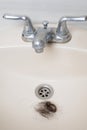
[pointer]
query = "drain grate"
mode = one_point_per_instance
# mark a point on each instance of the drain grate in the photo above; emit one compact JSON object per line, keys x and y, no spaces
{"x":44,"y":91}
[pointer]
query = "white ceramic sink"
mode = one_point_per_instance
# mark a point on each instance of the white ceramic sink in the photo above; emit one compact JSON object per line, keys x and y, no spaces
{"x":63,"y":66}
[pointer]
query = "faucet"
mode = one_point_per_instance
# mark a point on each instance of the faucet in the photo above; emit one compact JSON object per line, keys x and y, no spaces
{"x":43,"y":35}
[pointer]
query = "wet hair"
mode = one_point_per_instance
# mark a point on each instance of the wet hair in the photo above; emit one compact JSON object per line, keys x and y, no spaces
{"x":46,"y":109}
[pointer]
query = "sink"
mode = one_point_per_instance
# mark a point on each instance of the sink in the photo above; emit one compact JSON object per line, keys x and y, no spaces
{"x":63,"y":66}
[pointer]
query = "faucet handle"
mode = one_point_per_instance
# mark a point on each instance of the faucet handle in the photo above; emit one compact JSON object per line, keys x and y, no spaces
{"x":45,"y":24}
{"x":28,"y":32}
{"x":62,"y":31}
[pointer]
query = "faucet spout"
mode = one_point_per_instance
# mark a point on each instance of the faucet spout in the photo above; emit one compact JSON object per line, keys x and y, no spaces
{"x":40,"y":40}
{"x":38,"y":46}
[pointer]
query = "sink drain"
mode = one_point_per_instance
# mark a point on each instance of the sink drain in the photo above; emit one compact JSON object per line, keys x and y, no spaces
{"x":44,"y":91}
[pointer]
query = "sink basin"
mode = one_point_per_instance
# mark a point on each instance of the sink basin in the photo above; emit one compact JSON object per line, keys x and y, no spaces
{"x":63,"y":66}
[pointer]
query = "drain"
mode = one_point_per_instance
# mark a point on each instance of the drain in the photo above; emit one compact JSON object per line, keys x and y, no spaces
{"x":44,"y":91}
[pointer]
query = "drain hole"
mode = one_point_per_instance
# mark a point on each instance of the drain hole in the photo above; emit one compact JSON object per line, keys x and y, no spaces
{"x":44,"y":91}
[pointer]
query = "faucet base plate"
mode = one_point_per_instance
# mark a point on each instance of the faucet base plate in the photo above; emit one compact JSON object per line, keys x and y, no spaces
{"x":55,"y":38}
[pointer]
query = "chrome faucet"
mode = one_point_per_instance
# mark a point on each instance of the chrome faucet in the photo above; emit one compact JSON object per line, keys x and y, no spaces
{"x":43,"y":35}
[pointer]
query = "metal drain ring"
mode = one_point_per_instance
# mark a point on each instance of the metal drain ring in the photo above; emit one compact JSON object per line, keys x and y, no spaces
{"x":44,"y":91}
